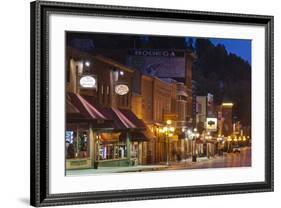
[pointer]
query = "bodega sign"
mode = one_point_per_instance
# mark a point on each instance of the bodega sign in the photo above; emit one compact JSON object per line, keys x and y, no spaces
{"x":121,"y":89}
{"x":88,"y":82}
{"x":155,"y":52}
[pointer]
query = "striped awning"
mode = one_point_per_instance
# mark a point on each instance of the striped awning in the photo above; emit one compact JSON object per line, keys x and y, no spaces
{"x":129,"y":119}
{"x":79,"y":108}
{"x":121,"y":119}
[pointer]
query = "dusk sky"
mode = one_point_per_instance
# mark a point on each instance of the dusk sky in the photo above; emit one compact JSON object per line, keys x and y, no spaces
{"x":241,"y":48}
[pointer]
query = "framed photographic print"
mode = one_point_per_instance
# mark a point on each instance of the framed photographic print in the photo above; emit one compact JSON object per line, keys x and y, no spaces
{"x":132,"y":103}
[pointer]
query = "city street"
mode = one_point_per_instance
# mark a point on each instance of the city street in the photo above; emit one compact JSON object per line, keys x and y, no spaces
{"x":242,"y":159}
{"x":154,"y":107}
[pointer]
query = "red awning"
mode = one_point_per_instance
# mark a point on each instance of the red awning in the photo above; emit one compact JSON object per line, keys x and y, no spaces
{"x":122,"y":119}
{"x":79,"y":108}
{"x":129,"y":119}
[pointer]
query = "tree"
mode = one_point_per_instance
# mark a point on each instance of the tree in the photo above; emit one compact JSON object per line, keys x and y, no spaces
{"x":223,"y":75}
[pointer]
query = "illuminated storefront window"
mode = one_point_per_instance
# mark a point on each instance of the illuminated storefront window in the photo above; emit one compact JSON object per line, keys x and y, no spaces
{"x":76,"y":143}
{"x":112,"y":151}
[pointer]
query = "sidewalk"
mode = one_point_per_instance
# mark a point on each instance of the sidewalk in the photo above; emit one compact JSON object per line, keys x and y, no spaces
{"x":137,"y":168}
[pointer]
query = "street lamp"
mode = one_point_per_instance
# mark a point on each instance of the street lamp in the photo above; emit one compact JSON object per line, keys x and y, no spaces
{"x":168,"y":132}
{"x":168,"y":122}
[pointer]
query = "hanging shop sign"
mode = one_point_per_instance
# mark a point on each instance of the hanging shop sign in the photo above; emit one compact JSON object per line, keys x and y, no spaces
{"x":88,"y":81}
{"x":121,"y":89}
{"x":212,"y":124}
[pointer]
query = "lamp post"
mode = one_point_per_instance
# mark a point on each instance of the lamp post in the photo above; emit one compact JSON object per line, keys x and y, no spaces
{"x":168,"y":131}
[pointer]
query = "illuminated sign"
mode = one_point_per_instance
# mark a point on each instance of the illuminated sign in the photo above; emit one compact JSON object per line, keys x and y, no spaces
{"x":121,"y":89}
{"x":88,"y":82}
{"x":160,"y":63}
{"x":156,"y":52}
{"x":227,"y":104}
{"x":211,"y":124}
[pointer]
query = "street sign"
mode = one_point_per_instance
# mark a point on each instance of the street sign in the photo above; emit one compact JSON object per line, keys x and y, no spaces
{"x":211,"y":124}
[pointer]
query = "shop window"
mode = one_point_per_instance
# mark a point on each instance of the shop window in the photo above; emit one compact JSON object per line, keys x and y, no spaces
{"x":76,"y":143}
{"x":112,"y":151}
{"x":134,"y":150}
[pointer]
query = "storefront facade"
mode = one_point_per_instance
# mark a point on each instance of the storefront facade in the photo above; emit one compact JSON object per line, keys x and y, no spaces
{"x":101,"y":129}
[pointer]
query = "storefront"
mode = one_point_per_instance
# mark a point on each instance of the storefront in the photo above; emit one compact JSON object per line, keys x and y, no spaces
{"x":80,"y":117}
{"x":125,"y":148}
{"x":110,"y":151}
{"x":101,"y":136}
{"x":99,"y":91}
{"x":77,"y":150}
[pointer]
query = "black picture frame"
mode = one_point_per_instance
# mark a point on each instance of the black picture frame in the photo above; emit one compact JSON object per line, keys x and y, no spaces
{"x":39,"y":187}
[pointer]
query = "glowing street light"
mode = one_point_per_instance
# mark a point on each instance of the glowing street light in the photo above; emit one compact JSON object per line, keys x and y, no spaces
{"x":229,"y":139}
{"x":227,"y":104}
{"x":168,"y":131}
{"x":87,"y":63}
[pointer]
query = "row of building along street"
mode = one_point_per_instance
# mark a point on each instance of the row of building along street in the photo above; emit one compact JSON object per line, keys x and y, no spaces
{"x":134,"y":115}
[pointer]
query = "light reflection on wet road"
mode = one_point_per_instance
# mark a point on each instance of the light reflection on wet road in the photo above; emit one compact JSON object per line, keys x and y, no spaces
{"x":242,"y":159}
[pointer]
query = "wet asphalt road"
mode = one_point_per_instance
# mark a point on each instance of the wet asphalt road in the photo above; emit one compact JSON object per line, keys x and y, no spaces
{"x":242,"y":159}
